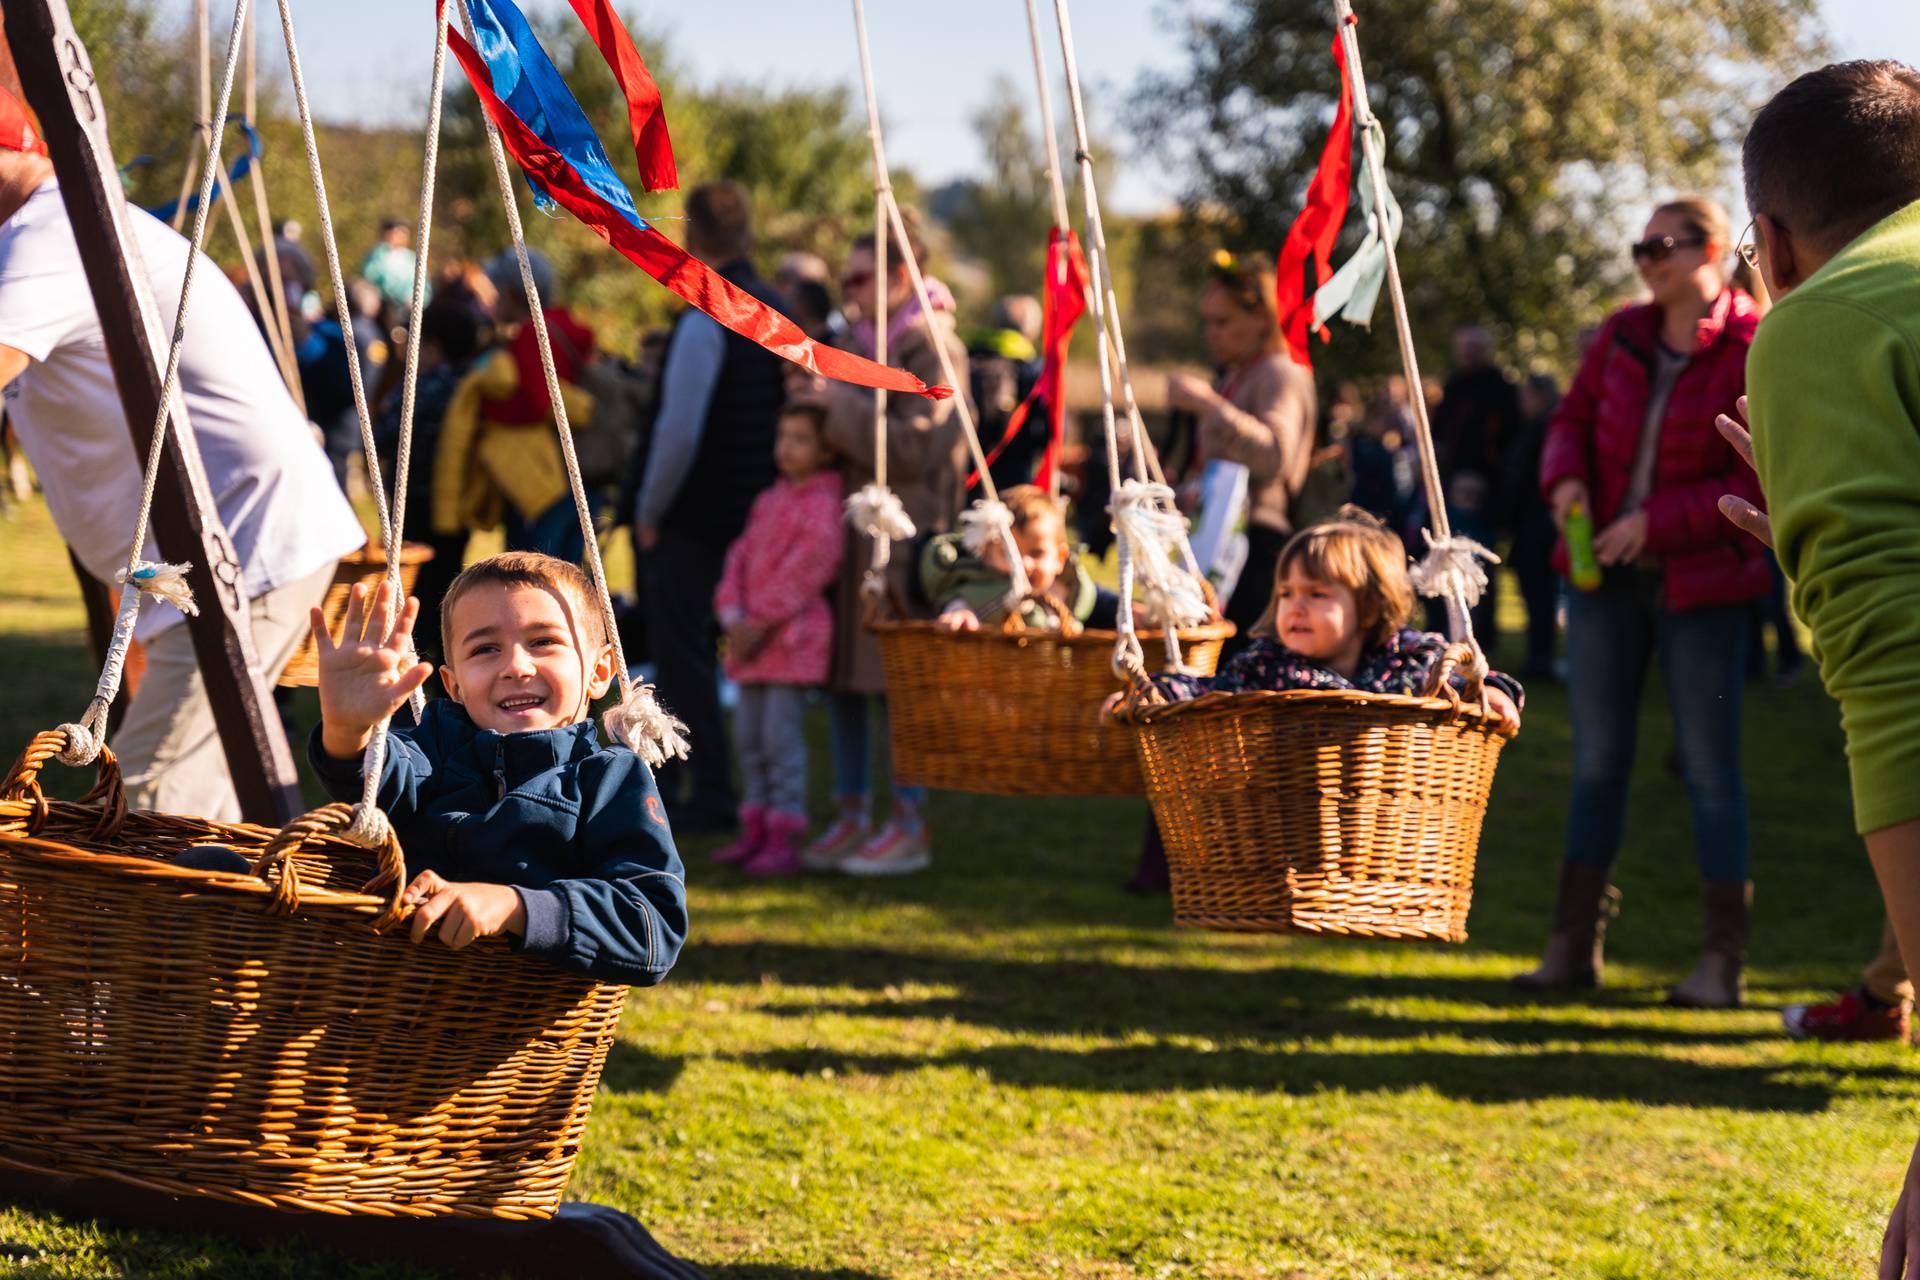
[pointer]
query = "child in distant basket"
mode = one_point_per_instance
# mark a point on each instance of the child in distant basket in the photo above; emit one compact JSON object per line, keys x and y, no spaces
{"x":1341,"y":603}
{"x":514,"y":819}
{"x":967,"y":590}
{"x":772,"y":602}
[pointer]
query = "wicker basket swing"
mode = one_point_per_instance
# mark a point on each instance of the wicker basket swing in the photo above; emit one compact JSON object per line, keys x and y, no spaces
{"x":270,"y":1038}
{"x":367,"y":565}
{"x":1322,"y":811}
{"x":1013,"y":710}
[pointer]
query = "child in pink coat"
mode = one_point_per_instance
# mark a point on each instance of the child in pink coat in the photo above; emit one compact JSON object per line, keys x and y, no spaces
{"x":772,"y":602}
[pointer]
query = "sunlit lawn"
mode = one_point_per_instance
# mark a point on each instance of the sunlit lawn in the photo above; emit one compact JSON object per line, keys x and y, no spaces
{"x":1009,"y":1068}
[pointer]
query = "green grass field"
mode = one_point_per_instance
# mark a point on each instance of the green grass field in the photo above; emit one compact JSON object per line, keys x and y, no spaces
{"x":1009,"y":1068}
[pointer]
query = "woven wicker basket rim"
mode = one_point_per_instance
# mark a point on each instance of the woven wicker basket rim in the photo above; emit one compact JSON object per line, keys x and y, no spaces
{"x":1225,"y":705}
{"x":1024,"y":635}
{"x":243,"y":884}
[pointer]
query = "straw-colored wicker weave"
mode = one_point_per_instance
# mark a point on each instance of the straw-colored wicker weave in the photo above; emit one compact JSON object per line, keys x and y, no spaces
{"x":250,"y":1037}
{"x":1312,"y":811}
{"x":368,"y":565}
{"x":1015,"y":712}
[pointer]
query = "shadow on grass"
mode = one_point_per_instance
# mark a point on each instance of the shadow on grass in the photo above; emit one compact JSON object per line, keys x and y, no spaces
{"x":1071,"y":997}
{"x":1645,"y":1080}
{"x":631,"y":1069}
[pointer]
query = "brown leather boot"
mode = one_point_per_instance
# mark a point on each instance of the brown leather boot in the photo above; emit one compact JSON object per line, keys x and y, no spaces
{"x":1575,"y":949}
{"x":1717,"y":982}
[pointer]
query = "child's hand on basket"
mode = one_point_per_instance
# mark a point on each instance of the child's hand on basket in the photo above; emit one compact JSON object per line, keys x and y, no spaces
{"x":1504,"y":707}
{"x":959,"y":618}
{"x":463,"y":911}
{"x":367,"y":675}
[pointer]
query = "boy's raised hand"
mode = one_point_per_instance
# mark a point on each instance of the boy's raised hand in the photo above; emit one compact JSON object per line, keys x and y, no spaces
{"x":371,"y":670}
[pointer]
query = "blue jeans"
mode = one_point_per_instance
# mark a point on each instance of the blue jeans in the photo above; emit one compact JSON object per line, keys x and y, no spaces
{"x":1612,"y":636}
{"x":849,"y":723}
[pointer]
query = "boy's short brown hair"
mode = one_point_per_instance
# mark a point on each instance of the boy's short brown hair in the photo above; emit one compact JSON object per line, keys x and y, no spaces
{"x":1836,"y":151}
{"x":1354,"y":549}
{"x":720,"y":221}
{"x":1029,"y":502}
{"x":527,"y":569}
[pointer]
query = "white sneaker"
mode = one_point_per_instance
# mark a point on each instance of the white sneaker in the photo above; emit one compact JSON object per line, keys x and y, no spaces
{"x":843,"y":838}
{"x":893,"y":851}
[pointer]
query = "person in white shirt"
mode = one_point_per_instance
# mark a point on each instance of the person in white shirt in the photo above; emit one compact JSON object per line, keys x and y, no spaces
{"x":272,"y":485}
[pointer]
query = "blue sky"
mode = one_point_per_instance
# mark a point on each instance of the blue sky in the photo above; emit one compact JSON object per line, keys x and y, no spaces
{"x":368,"y":59}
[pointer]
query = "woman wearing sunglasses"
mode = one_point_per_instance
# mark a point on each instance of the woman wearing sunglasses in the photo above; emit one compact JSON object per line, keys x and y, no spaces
{"x":1634,"y":447}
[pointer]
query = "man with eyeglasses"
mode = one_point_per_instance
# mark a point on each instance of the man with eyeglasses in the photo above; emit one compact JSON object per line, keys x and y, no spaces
{"x":1833,"y":178}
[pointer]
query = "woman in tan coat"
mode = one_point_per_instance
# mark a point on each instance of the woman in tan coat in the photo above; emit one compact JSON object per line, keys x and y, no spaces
{"x":927,"y":468}
{"x":1258,"y":412}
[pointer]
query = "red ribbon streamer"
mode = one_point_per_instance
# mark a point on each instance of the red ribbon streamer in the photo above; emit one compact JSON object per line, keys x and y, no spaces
{"x":16,"y":126}
{"x":646,"y":114}
{"x":688,"y":277}
{"x":1317,"y":228}
{"x":1063,"y":303}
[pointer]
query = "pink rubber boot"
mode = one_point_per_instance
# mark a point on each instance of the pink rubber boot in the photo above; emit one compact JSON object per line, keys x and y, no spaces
{"x":780,"y":855}
{"x":753,"y":837}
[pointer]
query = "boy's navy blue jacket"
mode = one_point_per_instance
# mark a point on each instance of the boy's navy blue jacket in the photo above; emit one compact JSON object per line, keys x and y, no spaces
{"x":576,"y":828}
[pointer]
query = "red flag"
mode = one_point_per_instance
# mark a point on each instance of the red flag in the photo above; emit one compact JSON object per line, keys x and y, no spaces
{"x":687,"y":276}
{"x":645,"y":112}
{"x":1317,"y":228}
{"x":1062,"y":304}
{"x":16,"y":126}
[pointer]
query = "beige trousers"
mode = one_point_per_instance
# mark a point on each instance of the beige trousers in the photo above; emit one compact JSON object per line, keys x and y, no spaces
{"x":169,"y":748}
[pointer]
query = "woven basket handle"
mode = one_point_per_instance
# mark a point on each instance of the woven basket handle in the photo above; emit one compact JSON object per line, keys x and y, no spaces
{"x":278,"y":868}
{"x":1069,"y":625}
{"x":108,"y":793}
{"x":1458,"y":658}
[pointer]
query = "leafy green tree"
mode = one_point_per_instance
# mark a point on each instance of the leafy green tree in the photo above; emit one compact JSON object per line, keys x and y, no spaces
{"x":1525,"y":138}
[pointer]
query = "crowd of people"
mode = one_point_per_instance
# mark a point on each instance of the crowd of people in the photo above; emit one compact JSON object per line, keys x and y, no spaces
{"x":729,"y":468}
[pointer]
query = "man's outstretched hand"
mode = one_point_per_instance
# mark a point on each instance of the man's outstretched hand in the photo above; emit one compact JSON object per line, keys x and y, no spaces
{"x":1733,"y":506}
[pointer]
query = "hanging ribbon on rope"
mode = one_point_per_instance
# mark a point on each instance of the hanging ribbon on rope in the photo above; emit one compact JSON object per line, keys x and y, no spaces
{"x":1315,"y":230}
{"x":1453,"y":569}
{"x":241,"y":166}
{"x":1063,"y":303}
{"x":548,"y":135}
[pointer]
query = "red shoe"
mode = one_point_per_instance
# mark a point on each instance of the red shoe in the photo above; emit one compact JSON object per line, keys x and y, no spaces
{"x":753,"y":837}
{"x":1850,"y":1018}
{"x":780,"y":855}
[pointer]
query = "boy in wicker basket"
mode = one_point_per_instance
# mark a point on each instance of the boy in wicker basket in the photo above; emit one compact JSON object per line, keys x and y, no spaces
{"x":515,"y":820}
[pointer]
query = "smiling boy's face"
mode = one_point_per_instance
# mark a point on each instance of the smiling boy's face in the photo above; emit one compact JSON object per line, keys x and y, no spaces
{"x":520,"y":658}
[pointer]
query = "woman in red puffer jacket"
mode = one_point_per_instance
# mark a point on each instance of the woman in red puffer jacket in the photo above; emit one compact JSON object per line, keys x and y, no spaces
{"x":1634,"y":446}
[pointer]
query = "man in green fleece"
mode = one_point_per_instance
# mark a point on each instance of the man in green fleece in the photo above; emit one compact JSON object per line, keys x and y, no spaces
{"x":1833,"y":379}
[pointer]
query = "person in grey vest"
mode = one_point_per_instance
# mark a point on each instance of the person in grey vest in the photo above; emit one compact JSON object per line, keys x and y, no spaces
{"x":709,"y":454}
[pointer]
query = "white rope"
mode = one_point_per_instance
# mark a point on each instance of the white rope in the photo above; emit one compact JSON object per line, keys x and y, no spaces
{"x":256,"y":173}
{"x":1451,"y":567}
{"x":142,"y":577}
{"x":873,"y":509}
{"x":638,"y":721}
{"x":890,"y":221}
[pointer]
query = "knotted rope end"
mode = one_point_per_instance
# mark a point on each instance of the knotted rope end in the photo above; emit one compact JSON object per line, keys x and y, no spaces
{"x":168,"y":582}
{"x":642,"y":725}
{"x":1453,"y":567}
{"x":985,"y":523}
{"x":876,"y":511}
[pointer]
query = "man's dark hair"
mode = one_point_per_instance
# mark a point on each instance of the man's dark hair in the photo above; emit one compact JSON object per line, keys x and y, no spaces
{"x":453,"y":328}
{"x":720,"y":221}
{"x":1836,"y":151}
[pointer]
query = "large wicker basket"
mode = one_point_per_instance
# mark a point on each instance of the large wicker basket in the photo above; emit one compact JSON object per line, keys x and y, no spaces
{"x":368,"y":565}
{"x":254,"y":1038}
{"x":1312,"y":811}
{"x":1016,"y":711}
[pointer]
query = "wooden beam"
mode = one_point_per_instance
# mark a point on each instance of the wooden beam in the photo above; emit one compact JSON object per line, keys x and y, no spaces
{"x":57,"y":79}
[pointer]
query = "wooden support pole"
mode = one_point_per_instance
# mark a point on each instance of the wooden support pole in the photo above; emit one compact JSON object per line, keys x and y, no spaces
{"x":56,"y":77}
